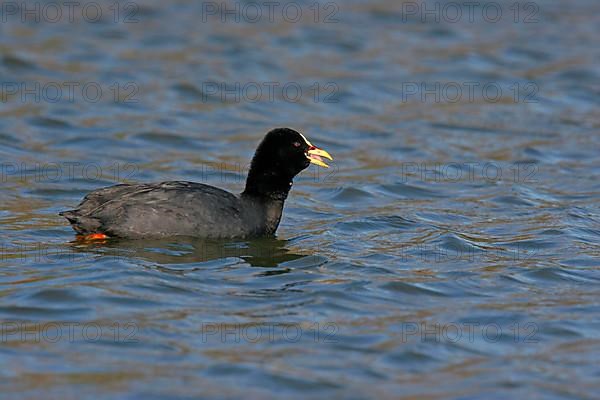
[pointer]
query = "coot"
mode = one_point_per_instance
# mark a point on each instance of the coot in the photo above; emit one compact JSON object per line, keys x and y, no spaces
{"x":178,"y":208}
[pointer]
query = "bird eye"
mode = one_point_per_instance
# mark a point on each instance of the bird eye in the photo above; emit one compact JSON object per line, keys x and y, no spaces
{"x":296,"y":144}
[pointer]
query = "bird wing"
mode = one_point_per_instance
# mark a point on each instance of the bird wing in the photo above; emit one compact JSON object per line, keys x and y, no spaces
{"x":163,"y":209}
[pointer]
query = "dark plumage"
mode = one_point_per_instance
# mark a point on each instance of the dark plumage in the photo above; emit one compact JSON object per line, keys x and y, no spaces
{"x":180,"y":208}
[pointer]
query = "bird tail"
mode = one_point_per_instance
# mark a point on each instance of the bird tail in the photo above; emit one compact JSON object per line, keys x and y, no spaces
{"x":81,"y":223}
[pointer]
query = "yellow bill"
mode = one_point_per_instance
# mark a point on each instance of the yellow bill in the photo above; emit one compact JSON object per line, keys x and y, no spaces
{"x":316,"y":155}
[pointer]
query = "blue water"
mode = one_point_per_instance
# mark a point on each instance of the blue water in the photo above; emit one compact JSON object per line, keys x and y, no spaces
{"x":450,"y":252}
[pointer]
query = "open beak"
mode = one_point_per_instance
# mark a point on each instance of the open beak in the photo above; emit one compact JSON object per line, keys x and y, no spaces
{"x":316,"y":155}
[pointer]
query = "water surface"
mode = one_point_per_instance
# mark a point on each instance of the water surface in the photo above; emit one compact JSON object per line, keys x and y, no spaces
{"x":450,"y":252}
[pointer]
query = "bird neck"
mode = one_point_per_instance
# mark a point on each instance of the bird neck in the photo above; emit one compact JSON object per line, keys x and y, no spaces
{"x":267,"y":192}
{"x":267,"y":185}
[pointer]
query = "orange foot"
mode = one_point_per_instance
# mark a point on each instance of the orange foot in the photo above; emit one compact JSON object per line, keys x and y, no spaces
{"x":93,"y":236}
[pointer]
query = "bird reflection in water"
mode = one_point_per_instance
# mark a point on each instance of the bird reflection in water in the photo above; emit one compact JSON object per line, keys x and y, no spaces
{"x":261,"y":252}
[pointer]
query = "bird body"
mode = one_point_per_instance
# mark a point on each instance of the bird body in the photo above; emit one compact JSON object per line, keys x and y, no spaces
{"x":179,"y":208}
{"x":173,"y":208}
